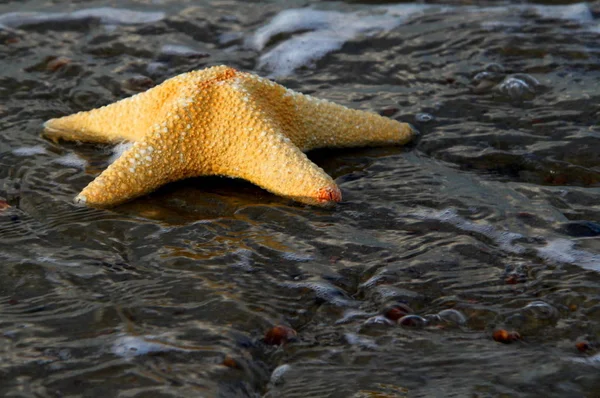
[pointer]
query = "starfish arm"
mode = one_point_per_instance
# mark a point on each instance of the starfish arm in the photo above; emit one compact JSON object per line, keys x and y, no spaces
{"x":323,"y":123}
{"x":126,"y":120}
{"x":247,"y":140}
{"x":315,"y":123}
{"x":277,"y":165}
{"x":150,"y":163}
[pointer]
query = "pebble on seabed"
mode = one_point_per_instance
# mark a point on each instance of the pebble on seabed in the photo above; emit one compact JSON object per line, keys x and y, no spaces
{"x":279,"y":335}
{"x":397,"y":311}
{"x":55,"y":64}
{"x":230,"y":362}
{"x":583,"y":346}
{"x":414,"y":321}
{"x":389,"y":111}
{"x":506,"y":337}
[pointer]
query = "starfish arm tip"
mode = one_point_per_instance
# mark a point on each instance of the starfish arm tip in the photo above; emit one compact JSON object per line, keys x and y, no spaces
{"x":329,"y":195}
{"x":51,"y":125}
{"x":412,"y":130}
{"x":47,"y":130}
{"x":80,"y":200}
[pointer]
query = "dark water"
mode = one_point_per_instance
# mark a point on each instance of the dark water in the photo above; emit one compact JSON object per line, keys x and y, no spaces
{"x":493,"y":213}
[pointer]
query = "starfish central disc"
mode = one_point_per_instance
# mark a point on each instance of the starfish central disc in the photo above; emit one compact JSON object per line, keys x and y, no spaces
{"x":220,"y":121}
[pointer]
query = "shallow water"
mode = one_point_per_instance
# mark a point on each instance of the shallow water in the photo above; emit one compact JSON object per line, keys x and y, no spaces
{"x":493,"y":212}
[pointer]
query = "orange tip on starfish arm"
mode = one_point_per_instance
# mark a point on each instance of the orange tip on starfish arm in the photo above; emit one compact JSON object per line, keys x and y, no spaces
{"x":220,"y":121}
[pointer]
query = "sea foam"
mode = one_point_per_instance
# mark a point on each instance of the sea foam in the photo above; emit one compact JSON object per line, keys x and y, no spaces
{"x":315,"y":33}
{"x":322,"y":32}
{"x":106,"y":16}
{"x":555,"y":250}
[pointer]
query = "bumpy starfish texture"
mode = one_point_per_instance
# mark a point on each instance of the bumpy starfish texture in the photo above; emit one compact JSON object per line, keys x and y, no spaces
{"x":220,"y":121}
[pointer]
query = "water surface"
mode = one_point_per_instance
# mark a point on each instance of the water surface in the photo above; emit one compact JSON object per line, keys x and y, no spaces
{"x":492,"y":213}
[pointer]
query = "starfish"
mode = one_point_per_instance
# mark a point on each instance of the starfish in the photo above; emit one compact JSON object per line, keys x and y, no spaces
{"x":221,"y":121}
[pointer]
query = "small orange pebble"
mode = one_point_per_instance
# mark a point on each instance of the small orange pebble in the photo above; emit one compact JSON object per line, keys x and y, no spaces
{"x":582,"y":346}
{"x":506,"y":337}
{"x":3,"y":205}
{"x":560,"y":179}
{"x":397,"y":311}
{"x":279,"y":335}
{"x":511,"y":279}
{"x":57,"y":63}
{"x":573,"y":307}
{"x":391,"y":111}
{"x":230,"y":362}
{"x":556,"y":179}
{"x":413,"y":321}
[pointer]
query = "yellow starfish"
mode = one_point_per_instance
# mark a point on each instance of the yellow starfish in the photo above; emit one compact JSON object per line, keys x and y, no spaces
{"x":220,"y":121}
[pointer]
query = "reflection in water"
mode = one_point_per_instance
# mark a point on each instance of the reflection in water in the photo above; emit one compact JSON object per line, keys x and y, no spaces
{"x":486,"y":227}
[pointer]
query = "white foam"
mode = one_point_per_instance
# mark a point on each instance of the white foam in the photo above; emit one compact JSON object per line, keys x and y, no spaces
{"x":293,"y":20}
{"x":297,"y":256}
{"x":180,"y":50}
{"x":321,"y":32}
{"x":227,"y":38}
{"x":325,"y":291}
{"x":300,"y":51}
{"x":504,"y":239}
{"x":563,"y":251}
{"x":118,"y":150}
{"x":405,"y":11}
{"x":278,"y":373}
{"x":515,"y":87}
{"x":106,"y":15}
{"x":504,"y":17}
{"x":120,"y":16}
{"x":157,"y":68}
{"x":327,"y":32}
{"x":593,"y":360}
{"x":131,"y":346}
{"x":30,"y":150}
{"x":351,"y":315}
{"x":579,"y":12}
{"x":555,"y":251}
{"x":71,"y":160}
{"x":355,"y":339}
{"x":245,"y":259}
